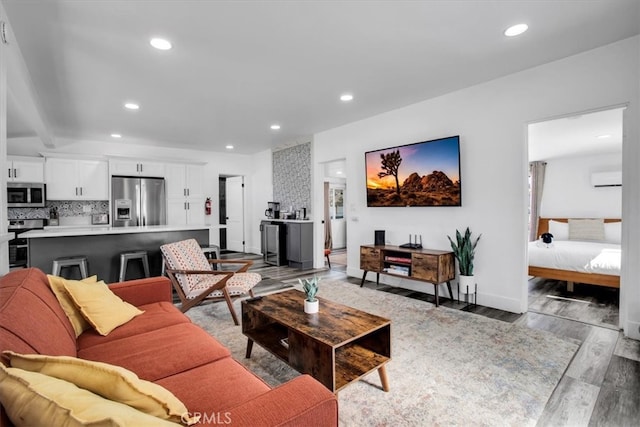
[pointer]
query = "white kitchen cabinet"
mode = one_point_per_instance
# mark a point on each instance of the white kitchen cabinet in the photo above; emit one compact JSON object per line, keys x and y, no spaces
{"x":135,"y":167}
{"x":25,"y":169}
{"x":185,"y":194}
{"x":182,"y":211}
{"x":184,"y":180}
{"x":77,"y":179}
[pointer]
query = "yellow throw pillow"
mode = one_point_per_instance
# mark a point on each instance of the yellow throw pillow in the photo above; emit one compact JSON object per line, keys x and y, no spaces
{"x":109,"y":381}
{"x":78,"y":321}
{"x":33,"y":399}
{"x":103,"y":309}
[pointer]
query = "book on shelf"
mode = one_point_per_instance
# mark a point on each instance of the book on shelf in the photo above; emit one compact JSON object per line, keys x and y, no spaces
{"x":401,"y":260}
{"x":397,"y":269}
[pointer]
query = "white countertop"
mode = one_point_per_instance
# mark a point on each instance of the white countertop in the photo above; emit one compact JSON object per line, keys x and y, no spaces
{"x":304,"y":221}
{"x":53,"y":231}
{"x":5,"y":237}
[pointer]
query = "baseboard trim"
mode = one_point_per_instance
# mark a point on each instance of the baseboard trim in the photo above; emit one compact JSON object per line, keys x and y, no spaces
{"x":488,"y":300}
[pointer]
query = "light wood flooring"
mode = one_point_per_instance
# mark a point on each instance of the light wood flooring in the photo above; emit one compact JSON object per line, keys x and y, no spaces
{"x":601,"y":386}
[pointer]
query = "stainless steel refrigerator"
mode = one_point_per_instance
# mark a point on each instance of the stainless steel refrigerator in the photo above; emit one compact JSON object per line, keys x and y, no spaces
{"x":138,"y":201}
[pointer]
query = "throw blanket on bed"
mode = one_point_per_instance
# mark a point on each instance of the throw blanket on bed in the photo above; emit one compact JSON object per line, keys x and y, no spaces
{"x":584,"y":257}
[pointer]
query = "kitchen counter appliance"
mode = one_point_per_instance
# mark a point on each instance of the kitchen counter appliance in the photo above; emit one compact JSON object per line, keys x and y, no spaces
{"x":273,"y":210}
{"x":138,"y":201}
{"x":25,"y":195}
{"x":273,"y":242}
{"x":18,"y":249}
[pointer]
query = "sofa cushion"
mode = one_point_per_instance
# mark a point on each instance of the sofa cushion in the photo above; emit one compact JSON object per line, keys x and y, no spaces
{"x":227,"y":384}
{"x":103,"y":309}
{"x":159,"y":353}
{"x":156,"y":316}
{"x":72,"y":311}
{"x":31,"y":319}
{"x":31,"y":399}
{"x":109,"y":381}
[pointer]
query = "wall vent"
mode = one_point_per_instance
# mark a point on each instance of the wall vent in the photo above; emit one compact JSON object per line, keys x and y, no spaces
{"x":606,"y":179}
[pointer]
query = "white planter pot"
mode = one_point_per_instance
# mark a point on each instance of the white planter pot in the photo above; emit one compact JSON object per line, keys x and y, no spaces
{"x":467,"y":284}
{"x":311,"y":307}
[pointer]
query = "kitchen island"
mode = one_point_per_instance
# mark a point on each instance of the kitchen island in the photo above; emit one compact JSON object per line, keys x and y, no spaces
{"x":102,"y":245}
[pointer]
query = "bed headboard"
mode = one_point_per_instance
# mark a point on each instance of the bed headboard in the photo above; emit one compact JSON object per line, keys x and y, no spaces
{"x":543,"y":223}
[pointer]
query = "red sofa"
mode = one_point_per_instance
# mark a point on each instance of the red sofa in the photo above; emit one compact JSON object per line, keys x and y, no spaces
{"x":163,"y":346}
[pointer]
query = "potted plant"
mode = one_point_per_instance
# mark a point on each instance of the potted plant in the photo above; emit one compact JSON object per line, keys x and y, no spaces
{"x":310,"y":288}
{"x":464,"y":250}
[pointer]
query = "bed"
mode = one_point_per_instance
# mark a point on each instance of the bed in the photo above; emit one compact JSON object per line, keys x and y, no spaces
{"x":577,"y":261}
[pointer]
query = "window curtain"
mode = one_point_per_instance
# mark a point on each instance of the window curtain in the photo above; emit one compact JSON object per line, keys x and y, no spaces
{"x":328,"y":243}
{"x":536,"y":186}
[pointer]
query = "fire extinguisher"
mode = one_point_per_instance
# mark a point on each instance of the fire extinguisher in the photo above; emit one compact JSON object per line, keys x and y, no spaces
{"x":207,"y":206}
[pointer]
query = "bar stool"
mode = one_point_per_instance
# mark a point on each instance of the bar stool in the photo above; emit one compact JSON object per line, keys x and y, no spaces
{"x":125,"y":257}
{"x":212,"y":252}
{"x":70,"y":262}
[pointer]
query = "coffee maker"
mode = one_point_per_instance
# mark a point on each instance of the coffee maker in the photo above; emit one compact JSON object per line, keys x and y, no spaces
{"x":273,"y":210}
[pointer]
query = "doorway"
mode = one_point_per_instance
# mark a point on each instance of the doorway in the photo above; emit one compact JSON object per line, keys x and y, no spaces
{"x":336,"y":214}
{"x":231,"y":207}
{"x":565,"y":155}
{"x":335,"y":179}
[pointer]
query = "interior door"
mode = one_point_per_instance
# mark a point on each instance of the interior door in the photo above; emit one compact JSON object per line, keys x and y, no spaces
{"x":235,"y":213}
{"x":338,"y":222}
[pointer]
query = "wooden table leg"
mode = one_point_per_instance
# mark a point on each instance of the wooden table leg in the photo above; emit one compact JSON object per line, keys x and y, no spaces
{"x":449,"y":286}
{"x":364,"y":275}
{"x":382,"y":371}
{"x":249,"y":348}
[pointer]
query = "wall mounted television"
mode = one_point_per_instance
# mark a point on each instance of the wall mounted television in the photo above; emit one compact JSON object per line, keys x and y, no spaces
{"x":424,"y":173}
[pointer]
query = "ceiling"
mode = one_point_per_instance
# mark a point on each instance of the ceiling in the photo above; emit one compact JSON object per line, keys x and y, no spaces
{"x":237,"y":67}
{"x":577,"y":135}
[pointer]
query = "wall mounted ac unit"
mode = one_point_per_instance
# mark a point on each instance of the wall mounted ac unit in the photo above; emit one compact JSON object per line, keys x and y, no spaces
{"x":606,"y":179}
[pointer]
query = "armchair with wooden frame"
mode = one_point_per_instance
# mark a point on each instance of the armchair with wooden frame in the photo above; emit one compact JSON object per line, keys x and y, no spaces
{"x":195,"y":281}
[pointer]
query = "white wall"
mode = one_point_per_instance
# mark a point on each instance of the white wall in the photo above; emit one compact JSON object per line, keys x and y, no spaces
{"x":491,"y":119}
{"x":4,"y":247}
{"x":256,"y":170}
{"x":568,"y":192}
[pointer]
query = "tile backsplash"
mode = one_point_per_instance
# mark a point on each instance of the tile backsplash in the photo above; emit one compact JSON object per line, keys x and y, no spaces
{"x":292,"y":177}
{"x":72,"y":209}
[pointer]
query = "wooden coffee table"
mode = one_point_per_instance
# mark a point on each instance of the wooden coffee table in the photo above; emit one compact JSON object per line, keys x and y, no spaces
{"x":337,"y":345}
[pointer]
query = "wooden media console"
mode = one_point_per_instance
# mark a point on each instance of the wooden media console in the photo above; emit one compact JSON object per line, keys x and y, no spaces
{"x":425,"y":265}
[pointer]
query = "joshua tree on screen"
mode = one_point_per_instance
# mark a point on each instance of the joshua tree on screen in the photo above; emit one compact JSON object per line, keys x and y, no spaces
{"x":390,"y":165}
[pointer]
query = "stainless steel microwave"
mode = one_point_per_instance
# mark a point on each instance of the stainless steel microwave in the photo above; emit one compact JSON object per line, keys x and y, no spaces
{"x":25,"y":195}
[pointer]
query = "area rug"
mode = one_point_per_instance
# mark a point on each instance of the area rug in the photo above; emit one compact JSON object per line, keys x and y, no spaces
{"x":448,"y":367}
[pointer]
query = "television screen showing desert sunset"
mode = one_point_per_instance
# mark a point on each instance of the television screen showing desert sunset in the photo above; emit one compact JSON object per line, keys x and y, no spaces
{"x":421,"y":174}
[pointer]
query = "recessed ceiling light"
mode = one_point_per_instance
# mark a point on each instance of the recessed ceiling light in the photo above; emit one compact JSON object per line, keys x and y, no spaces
{"x":229,"y":147}
{"x":160,"y":44}
{"x":346,"y":97}
{"x":516,"y":30}
{"x":275,"y":127}
{"x":605,"y":136}
{"x":116,"y":135}
{"x":338,"y":172}
{"x":131,"y":106}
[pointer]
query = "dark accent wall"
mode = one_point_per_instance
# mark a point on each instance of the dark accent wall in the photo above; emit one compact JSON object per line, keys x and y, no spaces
{"x":222,"y":200}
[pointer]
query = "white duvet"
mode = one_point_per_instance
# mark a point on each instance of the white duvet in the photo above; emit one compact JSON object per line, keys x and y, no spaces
{"x":572,"y":255}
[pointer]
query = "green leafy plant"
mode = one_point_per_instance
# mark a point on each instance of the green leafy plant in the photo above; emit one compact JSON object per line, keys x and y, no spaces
{"x":310,"y":288}
{"x":464,"y":250}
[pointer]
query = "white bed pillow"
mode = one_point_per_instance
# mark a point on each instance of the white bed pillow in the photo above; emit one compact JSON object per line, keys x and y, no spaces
{"x":586,"y":229}
{"x":613,"y":232}
{"x":560,"y":230}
